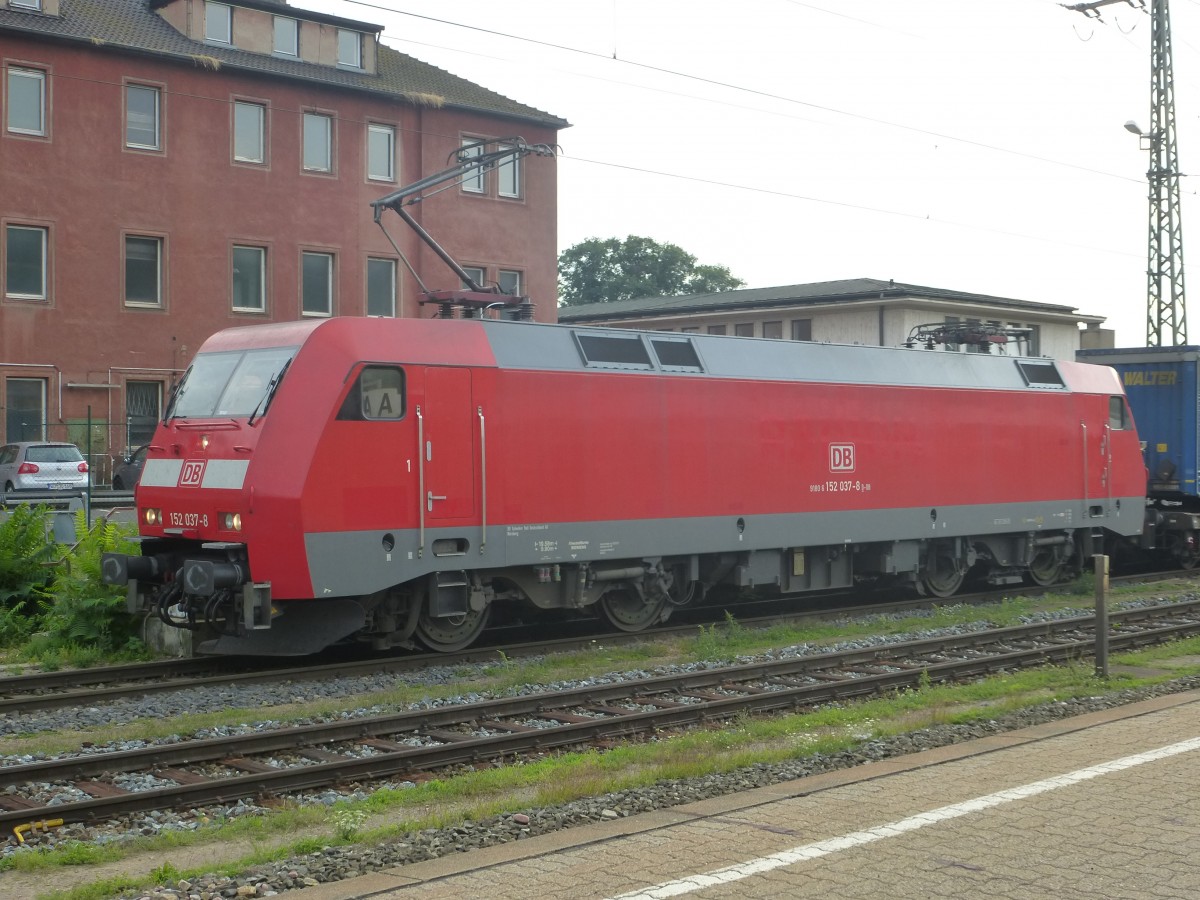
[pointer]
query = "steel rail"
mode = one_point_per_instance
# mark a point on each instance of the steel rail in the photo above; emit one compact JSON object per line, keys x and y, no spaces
{"x":904,"y":659}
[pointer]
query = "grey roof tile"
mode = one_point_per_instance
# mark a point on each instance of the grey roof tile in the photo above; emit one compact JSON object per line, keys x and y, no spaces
{"x":132,"y":26}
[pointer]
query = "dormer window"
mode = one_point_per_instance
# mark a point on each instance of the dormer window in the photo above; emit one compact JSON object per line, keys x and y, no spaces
{"x":26,"y":4}
{"x":287,"y":33}
{"x":349,"y":48}
{"x":218,"y":23}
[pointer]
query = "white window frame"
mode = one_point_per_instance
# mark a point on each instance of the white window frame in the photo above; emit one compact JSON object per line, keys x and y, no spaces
{"x":310,"y":120}
{"x":474,"y":182}
{"x":387,"y":157}
{"x":349,"y":48}
{"x":44,"y":251}
{"x":287,"y":34}
{"x":241,"y":107}
{"x":35,"y":5}
{"x":478,"y":273}
{"x":218,"y":23}
{"x":516,"y":275}
{"x":377,"y":264}
{"x":158,"y":244}
{"x":261,"y":254}
{"x":306,"y":257}
{"x":508,"y":176}
{"x":38,"y":76}
{"x":132,"y":90}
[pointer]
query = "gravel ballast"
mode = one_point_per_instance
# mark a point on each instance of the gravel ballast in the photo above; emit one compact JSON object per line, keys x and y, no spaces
{"x":337,"y":863}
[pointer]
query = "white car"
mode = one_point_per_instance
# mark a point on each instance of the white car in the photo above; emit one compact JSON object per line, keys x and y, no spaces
{"x":42,"y":466}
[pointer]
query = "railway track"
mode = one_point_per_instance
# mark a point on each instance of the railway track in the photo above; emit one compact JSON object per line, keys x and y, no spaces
{"x":103,"y":684}
{"x":296,"y":759}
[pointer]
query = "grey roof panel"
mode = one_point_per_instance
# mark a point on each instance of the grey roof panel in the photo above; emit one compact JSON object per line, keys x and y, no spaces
{"x":132,"y":26}
{"x":542,"y":347}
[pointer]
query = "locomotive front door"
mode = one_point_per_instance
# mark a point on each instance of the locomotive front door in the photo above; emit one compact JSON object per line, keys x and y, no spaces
{"x":1097,"y":462}
{"x":451,"y":445}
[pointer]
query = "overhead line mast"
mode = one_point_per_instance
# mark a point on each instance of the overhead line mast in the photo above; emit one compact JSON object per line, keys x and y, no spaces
{"x":1166,"y":315}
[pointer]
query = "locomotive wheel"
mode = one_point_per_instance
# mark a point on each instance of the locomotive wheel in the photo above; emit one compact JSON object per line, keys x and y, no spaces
{"x":942,"y":575}
{"x":1188,"y":557}
{"x":1045,"y":568}
{"x":446,"y":634}
{"x":626,"y":611}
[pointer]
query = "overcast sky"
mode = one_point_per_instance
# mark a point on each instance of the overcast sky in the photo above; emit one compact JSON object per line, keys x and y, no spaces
{"x":970,"y":145}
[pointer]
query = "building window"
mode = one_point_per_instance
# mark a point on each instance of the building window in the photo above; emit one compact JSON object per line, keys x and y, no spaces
{"x":25,"y":262}
{"x":26,"y":101}
{"x":316,"y":284}
{"x":744,"y":329}
{"x":475,"y":272}
{"x":510,"y":282}
{"x":381,"y":287}
{"x":381,"y":152}
{"x":249,"y":279}
{"x":716,"y":329}
{"x":773,"y":330}
{"x":248,"y":132}
{"x":508,"y":175}
{"x":689,"y":330}
{"x":26,"y":4}
{"x":801,"y":329}
{"x":473,"y":182}
{"x":142,"y":117}
{"x":218,"y":23}
{"x":349,"y":48}
{"x":25,"y":409}
{"x":318,"y":143}
{"x":287,"y":35}
{"x":143,"y":407}
{"x":143,"y":271}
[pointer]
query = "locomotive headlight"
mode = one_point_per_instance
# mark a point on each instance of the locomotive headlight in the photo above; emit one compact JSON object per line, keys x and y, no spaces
{"x":204,"y":442}
{"x":152,"y":516}
{"x":231,"y":521}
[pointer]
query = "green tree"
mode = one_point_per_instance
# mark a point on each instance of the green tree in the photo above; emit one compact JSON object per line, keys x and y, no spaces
{"x":600,"y":271}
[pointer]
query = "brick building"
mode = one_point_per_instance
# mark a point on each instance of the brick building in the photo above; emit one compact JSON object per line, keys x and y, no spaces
{"x":169,"y":168}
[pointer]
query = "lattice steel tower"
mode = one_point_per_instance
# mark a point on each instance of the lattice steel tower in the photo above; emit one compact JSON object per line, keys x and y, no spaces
{"x":1166,"y":315}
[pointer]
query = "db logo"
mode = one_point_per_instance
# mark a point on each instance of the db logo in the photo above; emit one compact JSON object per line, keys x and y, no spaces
{"x":841,"y":457}
{"x":192,"y":473}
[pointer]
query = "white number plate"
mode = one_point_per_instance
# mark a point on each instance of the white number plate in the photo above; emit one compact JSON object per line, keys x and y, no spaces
{"x":188,"y":519}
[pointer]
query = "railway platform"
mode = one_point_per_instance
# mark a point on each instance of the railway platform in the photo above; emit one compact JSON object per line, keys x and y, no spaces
{"x":1102,"y":805}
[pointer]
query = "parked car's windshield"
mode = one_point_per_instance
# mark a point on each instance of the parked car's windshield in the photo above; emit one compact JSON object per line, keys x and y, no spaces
{"x":231,"y":383}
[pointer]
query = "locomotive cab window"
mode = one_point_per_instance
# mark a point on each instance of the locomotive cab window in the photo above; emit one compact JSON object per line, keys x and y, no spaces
{"x":1118,"y":414}
{"x":377,"y":395}
{"x":232,"y":384}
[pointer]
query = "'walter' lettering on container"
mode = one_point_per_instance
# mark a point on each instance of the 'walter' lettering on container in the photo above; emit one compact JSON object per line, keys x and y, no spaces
{"x":841,"y":457}
{"x":1152,"y":378}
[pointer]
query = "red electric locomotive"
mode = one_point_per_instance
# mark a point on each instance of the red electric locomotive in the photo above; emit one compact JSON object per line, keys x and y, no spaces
{"x":381,"y":480}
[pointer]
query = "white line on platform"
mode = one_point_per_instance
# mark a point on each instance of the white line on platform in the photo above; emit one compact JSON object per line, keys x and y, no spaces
{"x":912,"y":823}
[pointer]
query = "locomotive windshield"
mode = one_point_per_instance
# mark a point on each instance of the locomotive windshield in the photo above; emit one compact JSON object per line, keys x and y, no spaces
{"x":236,"y":384}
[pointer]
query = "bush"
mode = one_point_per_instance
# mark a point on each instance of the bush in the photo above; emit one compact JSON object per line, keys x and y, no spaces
{"x":81,"y":612}
{"x":26,"y":551}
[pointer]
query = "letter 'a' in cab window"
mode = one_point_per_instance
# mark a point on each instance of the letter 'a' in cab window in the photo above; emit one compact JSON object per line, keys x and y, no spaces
{"x":1118,"y":415}
{"x":377,"y":395}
